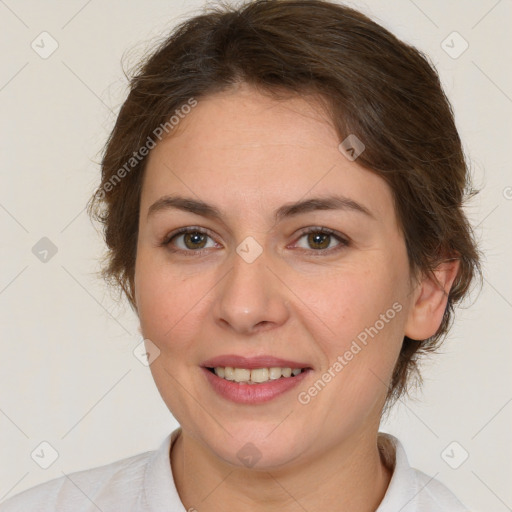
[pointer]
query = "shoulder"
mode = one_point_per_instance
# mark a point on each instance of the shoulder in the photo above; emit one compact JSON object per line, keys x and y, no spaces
{"x":411,"y":490}
{"x":114,"y":486}
{"x":434,"y":495}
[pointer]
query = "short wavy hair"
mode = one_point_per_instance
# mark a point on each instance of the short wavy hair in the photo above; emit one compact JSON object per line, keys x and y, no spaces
{"x":372,"y":84}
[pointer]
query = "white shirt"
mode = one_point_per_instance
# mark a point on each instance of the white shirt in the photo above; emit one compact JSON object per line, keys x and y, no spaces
{"x":144,"y":482}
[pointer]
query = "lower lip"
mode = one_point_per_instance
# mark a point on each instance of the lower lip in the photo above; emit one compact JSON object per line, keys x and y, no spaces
{"x":253,"y":393}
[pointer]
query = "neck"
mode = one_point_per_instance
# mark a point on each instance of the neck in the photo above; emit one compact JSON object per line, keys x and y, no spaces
{"x":353,"y":475}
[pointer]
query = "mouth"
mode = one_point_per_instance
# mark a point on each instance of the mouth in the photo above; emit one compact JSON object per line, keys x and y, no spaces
{"x":253,"y":380}
{"x":256,"y":375}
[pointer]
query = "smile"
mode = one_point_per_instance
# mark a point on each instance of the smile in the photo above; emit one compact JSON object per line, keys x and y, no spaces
{"x":249,"y":391}
{"x":256,"y":375}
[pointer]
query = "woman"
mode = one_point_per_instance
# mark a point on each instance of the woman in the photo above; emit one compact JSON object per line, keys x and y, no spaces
{"x":282,"y":201}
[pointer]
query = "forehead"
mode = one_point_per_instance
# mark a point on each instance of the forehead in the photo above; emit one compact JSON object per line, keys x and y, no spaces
{"x":245,"y":120}
{"x":241,"y":148}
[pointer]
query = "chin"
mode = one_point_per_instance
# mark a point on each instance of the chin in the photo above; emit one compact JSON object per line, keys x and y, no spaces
{"x":258,"y":447}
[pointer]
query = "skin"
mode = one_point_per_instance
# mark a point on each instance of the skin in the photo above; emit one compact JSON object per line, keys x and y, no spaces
{"x":248,"y":155}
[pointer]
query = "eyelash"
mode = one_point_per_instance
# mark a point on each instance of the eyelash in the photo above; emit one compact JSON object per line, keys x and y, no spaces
{"x":343,"y":242}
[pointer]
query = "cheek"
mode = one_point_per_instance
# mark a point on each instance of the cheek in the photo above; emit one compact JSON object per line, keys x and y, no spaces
{"x":168,"y":301}
{"x":154,"y":295}
{"x":348,"y":303}
{"x":358,"y":324}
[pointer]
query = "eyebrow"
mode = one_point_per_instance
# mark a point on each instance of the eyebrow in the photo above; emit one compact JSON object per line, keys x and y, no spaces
{"x":332,"y":202}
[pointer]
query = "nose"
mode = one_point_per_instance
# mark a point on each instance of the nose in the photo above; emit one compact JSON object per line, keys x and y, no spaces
{"x":251,"y":298}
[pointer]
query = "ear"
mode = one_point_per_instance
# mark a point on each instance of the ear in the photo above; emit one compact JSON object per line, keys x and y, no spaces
{"x":431,"y":297}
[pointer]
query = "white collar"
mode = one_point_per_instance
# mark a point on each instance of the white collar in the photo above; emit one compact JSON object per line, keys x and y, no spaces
{"x":407,"y":490}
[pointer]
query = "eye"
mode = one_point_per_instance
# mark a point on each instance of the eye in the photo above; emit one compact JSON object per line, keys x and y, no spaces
{"x":194,"y":240}
{"x":190,"y":239}
{"x":320,"y":239}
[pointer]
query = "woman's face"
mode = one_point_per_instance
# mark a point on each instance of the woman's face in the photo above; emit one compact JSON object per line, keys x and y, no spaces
{"x":251,"y":282}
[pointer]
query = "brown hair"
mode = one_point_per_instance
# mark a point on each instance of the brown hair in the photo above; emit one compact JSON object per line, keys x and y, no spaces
{"x":373,"y":85}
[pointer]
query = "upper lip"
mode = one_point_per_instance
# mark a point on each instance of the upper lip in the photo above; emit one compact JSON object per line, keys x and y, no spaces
{"x":264,"y":361}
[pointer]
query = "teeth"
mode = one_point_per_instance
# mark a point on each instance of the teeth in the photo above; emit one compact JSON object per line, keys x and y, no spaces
{"x":274,"y":373}
{"x":256,"y":375}
{"x":259,"y":375}
{"x":241,"y":375}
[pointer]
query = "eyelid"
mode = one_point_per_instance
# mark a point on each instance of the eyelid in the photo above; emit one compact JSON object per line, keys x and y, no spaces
{"x":184,"y":230}
{"x":343,"y":240}
{"x":166,"y":242}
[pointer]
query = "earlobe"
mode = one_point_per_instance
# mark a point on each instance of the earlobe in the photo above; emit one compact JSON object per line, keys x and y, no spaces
{"x":431,"y":297}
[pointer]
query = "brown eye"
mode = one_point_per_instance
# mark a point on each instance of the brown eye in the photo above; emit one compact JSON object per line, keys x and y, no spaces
{"x":321,"y":240}
{"x":195,"y":240}
{"x":189,"y":240}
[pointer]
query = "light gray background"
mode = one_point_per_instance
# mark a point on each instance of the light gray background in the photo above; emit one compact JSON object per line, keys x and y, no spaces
{"x":68,"y":374}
